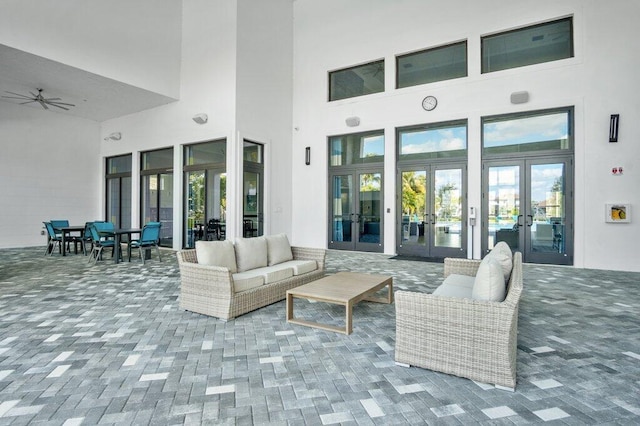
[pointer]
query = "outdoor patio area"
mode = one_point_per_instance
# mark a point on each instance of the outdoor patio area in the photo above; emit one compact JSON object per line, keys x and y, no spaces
{"x":107,"y":344}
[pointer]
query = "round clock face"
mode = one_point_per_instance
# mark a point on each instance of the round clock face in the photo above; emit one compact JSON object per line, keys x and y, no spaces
{"x":429,"y":103}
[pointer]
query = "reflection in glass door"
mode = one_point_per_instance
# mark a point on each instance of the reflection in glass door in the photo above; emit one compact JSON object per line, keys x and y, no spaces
{"x":528,"y":206}
{"x":356,"y":214}
{"x":432,"y":212}
{"x":205,"y":216}
{"x":157,"y":204}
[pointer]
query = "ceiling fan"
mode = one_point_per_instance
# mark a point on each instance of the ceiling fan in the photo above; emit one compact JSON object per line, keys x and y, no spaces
{"x":40,"y":99}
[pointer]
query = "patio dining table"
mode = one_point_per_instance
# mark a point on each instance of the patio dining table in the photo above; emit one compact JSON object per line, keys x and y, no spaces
{"x":118,"y":233}
{"x":66,"y":232}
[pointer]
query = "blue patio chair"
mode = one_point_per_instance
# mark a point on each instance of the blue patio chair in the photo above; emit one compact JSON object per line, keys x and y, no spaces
{"x":53,"y":239}
{"x":99,"y":243}
{"x":86,"y":238}
{"x":149,"y":237}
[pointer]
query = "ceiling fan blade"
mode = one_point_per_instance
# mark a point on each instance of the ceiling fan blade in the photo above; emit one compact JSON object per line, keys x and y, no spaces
{"x":34,"y":95}
{"x":51,"y":99}
{"x":58,"y":106}
{"x":43,"y":105}
{"x":58,"y":103}
{"x":17,"y":94}
{"x":28,"y":102}
{"x":16,"y":97}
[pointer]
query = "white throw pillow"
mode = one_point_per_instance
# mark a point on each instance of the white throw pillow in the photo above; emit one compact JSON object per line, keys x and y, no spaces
{"x":489,"y":283}
{"x":502,"y":253}
{"x":251,"y":253}
{"x":278,"y":249}
{"x":217,"y":253}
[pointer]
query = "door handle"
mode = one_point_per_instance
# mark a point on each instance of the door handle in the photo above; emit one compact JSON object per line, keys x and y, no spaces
{"x":519,"y":217}
{"x":530,"y":221}
{"x":433,"y":218}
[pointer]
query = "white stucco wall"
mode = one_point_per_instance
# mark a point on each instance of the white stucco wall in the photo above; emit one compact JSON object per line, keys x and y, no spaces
{"x":48,"y":170}
{"x":599,"y":81}
{"x":264,"y":98}
{"x":134,"y":42}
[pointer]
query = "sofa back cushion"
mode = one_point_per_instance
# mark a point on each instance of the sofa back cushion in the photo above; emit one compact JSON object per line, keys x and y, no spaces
{"x":489,"y":283}
{"x":251,"y":253}
{"x":502,"y":253}
{"x":217,"y":253}
{"x":278,"y":249}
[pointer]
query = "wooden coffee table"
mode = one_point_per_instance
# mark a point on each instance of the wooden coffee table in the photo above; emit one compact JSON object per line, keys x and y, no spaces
{"x":343,"y":288}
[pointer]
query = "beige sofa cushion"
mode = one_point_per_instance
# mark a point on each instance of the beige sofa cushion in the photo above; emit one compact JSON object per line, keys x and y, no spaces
{"x":243,"y":281}
{"x":217,"y":253}
{"x":301,"y":266}
{"x":251,"y":253}
{"x":489,"y":282}
{"x":502,"y":253}
{"x":460,"y":286}
{"x":278,"y":249}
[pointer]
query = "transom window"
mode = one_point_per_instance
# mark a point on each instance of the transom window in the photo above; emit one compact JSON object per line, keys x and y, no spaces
{"x":438,"y":140}
{"x":356,"y":81}
{"x":356,"y":148}
{"x":527,"y":132}
{"x":427,"y":66}
{"x":535,"y":44}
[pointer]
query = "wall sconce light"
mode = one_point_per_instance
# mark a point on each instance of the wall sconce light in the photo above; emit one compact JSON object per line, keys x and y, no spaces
{"x":307,"y":155}
{"x":352,"y":121}
{"x":614,"y":122}
{"x":200,"y":118}
{"x":115,"y":136}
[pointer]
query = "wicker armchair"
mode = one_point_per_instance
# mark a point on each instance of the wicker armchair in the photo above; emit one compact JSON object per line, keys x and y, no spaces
{"x":467,"y":338}
{"x":209,"y":290}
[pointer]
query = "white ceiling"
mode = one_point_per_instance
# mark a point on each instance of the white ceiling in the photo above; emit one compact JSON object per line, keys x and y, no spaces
{"x":95,"y":97}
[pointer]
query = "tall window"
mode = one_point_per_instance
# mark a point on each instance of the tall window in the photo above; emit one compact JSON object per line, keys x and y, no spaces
{"x":253,"y":189}
{"x":356,"y":81}
{"x":156,"y":182}
{"x":205,"y":192}
{"x":546,"y":42}
{"x":427,"y":66}
{"x":118,"y":191}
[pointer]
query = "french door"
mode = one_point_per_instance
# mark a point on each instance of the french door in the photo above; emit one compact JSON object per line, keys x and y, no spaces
{"x":356,"y":210}
{"x":431,"y":214}
{"x":528,"y":203}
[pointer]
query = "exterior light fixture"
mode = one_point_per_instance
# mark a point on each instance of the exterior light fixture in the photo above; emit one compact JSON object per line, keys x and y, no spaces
{"x":115,"y":136}
{"x":352,"y":121}
{"x":614,"y":122}
{"x":200,"y":118}
{"x":307,"y":155}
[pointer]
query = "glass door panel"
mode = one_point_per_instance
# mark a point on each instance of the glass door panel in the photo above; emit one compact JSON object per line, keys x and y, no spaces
{"x":195,"y":204}
{"x":166,"y":209}
{"x":113,"y":201}
{"x":414,"y":210}
{"x":342,"y":213}
{"x":503,"y":212}
{"x":448,"y":208}
{"x":369,"y":208}
{"x":252,"y":218}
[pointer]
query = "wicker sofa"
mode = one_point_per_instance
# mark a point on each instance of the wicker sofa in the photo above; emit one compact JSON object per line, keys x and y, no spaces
{"x":212,"y":290}
{"x":476,"y":339}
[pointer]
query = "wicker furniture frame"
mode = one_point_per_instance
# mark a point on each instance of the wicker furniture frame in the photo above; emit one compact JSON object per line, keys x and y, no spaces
{"x":467,"y":338}
{"x":209,"y":290}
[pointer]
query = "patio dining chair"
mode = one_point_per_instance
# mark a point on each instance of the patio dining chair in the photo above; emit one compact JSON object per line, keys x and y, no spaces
{"x":149,"y":237}
{"x":53,"y":239}
{"x":99,"y":243}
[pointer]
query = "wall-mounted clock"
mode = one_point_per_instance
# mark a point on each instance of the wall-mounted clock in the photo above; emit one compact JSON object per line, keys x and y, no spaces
{"x":429,"y":103}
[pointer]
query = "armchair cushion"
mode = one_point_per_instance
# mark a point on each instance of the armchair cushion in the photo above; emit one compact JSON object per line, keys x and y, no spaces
{"x":489,"y":283}
{"x":217,"y":253}
{"x":278,"y":249}
{"x":460,"y":286}
{"x":251,"y":253}
{"x":502,"y":253}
